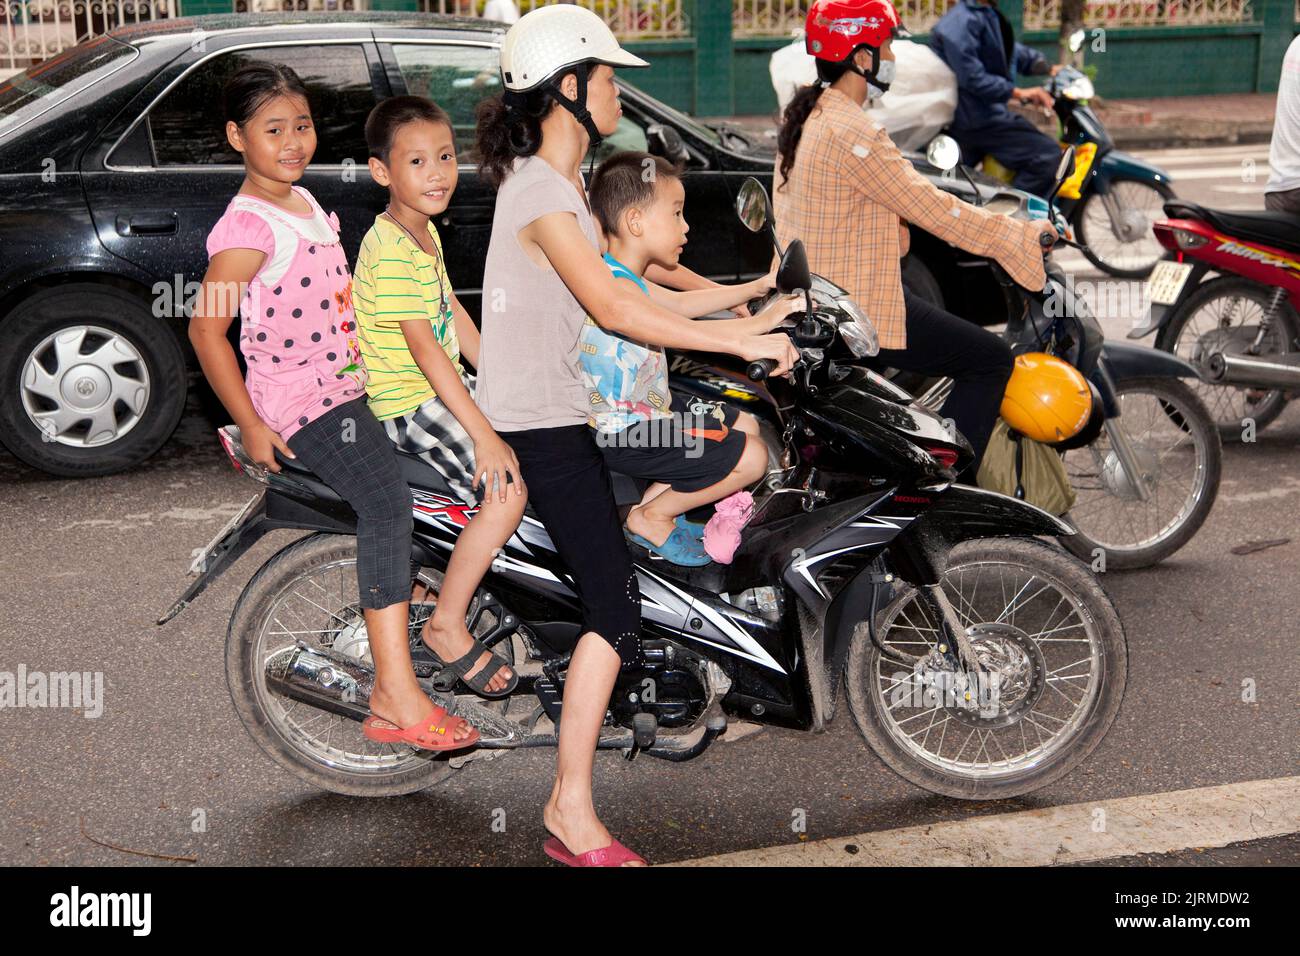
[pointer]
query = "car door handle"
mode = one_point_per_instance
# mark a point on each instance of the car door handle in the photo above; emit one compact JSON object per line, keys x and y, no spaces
{"x":468,"y":216}
{"x":147,"y":224}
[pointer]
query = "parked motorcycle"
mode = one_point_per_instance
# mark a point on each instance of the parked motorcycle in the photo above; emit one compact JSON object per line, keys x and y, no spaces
{"x":978,"y":662}
{"x":1225,"y":298}
{"x":1112,"y":198}
{"x":1146,"y":470}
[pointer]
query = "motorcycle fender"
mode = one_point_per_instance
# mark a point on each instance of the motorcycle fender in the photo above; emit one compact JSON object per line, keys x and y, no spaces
{"x":964,"y":511}
{"x":1118,"y":164}
{"x":240,"y":534}
{"x":1123,"y":362}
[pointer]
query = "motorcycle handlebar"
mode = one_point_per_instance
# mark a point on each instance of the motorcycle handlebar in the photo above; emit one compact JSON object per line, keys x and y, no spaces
{"x":760,"y":369}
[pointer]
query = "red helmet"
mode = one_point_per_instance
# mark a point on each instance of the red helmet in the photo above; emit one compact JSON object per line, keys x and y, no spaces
{"x":835,"y":28}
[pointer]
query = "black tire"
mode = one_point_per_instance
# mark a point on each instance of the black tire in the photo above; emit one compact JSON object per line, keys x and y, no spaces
{"x":1196,"y":419}
{"x":1051,"y":563}
{"x":1093,"y":200}
{"x":1216,"y":397}
{"x":123,"y":315}
{"x":920,"y":281}
{"x":255,"y":603}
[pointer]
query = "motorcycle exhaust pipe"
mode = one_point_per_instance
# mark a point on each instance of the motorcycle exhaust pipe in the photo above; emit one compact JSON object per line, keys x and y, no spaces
{"x":1253,"y":371}
{"x":322,"y":678}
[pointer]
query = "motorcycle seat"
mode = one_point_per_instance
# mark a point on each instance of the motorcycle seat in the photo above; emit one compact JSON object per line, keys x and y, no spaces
{"x":1278,"y":229}
{"x":419,"y":474}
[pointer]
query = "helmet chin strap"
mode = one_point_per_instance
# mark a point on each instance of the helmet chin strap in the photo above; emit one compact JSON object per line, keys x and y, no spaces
{"x":870,"y":75}
{"x":578,"y":106}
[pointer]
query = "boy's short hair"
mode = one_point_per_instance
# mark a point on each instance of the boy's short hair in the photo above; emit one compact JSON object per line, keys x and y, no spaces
{"x":392,"y":114}
{"x":624,"y":180}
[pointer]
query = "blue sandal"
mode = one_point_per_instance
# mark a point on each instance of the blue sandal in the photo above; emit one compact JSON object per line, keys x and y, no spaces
{"x":680,"y":548}
{"x":694,"y":528}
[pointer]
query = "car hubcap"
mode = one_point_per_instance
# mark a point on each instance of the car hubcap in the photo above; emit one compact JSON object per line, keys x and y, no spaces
{"x":85,"y":386}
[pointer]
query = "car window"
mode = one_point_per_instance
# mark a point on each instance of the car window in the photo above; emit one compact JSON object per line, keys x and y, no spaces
{"x":457,"y":78}
{"x":188,"y":129}
{"x":629,"y":135}
{"x":35,"y":90}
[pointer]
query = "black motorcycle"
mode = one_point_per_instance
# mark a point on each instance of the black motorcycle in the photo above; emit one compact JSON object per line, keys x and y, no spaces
{"x":1146,"y":468}
{"x":978,"y":661}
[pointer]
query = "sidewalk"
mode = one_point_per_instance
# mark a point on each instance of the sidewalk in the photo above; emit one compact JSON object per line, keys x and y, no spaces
{"x":1174,"y":121}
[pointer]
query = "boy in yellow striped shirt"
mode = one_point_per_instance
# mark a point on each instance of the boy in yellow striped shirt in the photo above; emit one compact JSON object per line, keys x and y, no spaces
{"x":413,"y":331}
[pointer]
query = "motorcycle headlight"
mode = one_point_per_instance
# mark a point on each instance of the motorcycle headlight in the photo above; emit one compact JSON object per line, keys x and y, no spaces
{"x":860,"y":333}
{"x":1080,"y":88}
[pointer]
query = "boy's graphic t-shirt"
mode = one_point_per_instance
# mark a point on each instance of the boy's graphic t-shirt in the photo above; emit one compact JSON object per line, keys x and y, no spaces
{"x":395,"y":282}
{"x":627,"y":381}
{"x":297,"y":329}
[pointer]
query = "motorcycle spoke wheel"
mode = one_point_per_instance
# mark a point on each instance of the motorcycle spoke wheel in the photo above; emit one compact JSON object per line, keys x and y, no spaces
{"x":320,"y":609}
{"x":1128,"y":247}
{"x":1233,"y":316}
{"x":1173,"y":459}
{"x":1050,"y":651}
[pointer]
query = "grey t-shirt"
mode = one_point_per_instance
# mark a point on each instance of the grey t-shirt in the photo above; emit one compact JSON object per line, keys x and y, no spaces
{"x":529,"y":376}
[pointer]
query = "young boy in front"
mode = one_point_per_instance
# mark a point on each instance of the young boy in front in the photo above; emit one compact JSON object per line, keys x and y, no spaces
{"x":696,"y":452}
{"x":413,"y":331}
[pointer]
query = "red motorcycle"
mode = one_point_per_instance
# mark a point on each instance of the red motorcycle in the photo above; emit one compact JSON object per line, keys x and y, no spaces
{"x":1225,"y":298}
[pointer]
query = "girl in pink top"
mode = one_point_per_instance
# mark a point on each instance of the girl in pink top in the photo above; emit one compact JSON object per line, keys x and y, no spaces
{"x":275,"y":256}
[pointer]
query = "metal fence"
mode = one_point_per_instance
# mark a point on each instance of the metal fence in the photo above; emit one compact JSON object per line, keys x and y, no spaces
{"x":1046,"y":14}
{"x":771,"y":18}
{"x":32,"y":30}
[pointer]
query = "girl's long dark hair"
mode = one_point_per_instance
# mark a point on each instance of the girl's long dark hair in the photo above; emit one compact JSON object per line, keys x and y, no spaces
{"x":510,"y":128}
{"x":798,"y":110}
{"x":254,"y":84}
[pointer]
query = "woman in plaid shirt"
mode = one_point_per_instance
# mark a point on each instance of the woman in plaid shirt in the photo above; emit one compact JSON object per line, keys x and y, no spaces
{"x":845,"y":190}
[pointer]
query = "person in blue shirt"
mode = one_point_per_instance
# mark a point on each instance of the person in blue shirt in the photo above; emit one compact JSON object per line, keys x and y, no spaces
{"x":974,"y":38}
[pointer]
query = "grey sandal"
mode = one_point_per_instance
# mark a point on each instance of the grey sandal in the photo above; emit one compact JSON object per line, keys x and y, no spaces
{"x":454,"y":671}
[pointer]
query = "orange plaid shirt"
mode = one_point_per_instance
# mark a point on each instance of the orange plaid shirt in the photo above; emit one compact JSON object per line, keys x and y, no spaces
{"x":848,"y":191}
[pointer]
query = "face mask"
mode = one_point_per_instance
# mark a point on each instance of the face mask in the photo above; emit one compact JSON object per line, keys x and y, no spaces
{"x":884,"y":76}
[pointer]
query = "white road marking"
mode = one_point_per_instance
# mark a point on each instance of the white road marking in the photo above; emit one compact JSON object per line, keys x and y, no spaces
{"x":1104,"y":829}
{"x":1259,"y":170}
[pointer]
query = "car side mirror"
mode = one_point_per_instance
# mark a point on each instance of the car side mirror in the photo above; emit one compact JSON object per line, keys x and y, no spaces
{"x":666,"y":143}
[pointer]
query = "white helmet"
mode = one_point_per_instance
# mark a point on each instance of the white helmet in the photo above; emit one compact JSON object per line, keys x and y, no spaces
{"x":548,"y":40}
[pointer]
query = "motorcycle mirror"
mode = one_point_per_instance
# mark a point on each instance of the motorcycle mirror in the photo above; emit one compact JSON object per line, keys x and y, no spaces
{"x":793,"y":273}
{"x":1076,"y":41}
{"x":1063,"y":170}
{"x":943,"y":153}
{"x":752,"y":205}
{"x":666,"y":142}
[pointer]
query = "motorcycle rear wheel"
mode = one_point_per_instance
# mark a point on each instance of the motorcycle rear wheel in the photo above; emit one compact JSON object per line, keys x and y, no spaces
{"x":1241,"y":303}
{"x":311,"y":582}
{"x":1066,"y":615}
{"x":1123,"y":258}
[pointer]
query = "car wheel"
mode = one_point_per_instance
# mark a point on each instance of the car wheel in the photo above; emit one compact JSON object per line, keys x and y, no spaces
{"x":90,"y":381}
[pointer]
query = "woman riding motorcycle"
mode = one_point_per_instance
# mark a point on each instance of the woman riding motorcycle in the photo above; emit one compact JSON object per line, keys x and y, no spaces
{"x":846,"y":191}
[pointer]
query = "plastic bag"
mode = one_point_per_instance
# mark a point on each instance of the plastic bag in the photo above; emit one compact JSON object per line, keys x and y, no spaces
{"x":920,"y":102}
{"x":1018,"y":462}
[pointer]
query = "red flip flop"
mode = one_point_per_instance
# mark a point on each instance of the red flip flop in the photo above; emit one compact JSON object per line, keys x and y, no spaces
{"x":616,"y":854}
{"x":436,"y":731}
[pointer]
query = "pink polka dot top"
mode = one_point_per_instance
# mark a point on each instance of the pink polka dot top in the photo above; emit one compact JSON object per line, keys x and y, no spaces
{"x":297,"y":330}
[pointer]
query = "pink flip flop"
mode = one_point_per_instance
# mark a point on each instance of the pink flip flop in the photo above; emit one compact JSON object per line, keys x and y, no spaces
{"x":616,"y":854}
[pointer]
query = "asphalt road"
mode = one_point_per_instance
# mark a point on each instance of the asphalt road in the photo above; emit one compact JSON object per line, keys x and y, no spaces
{"x":87,"y":566}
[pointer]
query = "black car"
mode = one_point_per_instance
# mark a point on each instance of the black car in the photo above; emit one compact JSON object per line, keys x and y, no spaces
{"x":114,"y":166}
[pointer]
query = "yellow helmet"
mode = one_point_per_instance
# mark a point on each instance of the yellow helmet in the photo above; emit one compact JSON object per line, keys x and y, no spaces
{"x":1046,"y":399}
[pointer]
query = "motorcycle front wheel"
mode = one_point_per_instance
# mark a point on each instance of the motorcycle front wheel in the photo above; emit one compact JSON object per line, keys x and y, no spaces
{"x":1180,"y":457}
{"x":1042,"y":628}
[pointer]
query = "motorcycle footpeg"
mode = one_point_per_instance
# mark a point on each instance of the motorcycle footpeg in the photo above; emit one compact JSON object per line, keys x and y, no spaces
{"x":645,"y":728}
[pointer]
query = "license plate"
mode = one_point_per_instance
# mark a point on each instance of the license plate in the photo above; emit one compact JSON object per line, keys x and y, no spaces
{"x":1167,"y":280}
{"x":203,"y":558}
